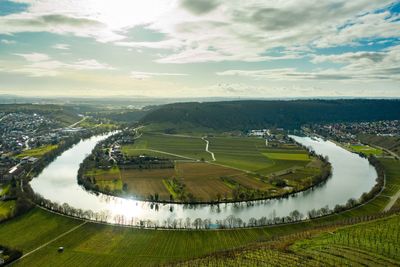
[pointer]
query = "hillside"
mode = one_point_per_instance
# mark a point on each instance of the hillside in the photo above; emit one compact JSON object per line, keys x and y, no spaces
{"x":244,"y":115}
{"x":391,"y":143}
{"x":65,"y":115}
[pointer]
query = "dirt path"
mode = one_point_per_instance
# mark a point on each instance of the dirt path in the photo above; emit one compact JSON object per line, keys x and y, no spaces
{"x":76,"y":123}
{"x":166,"y":153}
{"x":392,"y":201}
{"x":51,"y":241}
{"x":207,"y":145}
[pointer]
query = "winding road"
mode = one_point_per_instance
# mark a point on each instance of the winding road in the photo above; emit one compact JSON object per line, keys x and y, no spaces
{"x":207,"y":145}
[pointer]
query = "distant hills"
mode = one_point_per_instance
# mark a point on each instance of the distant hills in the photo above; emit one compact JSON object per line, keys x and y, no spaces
{"x":244,"y":115}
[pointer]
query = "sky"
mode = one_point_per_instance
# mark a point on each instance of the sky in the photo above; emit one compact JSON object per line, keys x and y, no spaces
{"x":200,"y":48}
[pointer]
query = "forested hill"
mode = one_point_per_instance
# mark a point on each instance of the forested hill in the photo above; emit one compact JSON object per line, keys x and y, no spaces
{"x":244,"y":115}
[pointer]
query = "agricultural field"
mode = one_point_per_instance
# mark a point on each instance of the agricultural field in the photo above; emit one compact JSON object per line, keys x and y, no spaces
{"x":95,"y":244}
{"x":108,"y":180}
{"x":102,"y":245}
{"x":368,"y":243}
{"x":252,"y":154}
{"x":37,"y":152}
{"x":143,"y":183}
{"x":191,"y":147}
{"x":373,"y":243}
{"x":245,"y":168}
{"x":366,"y":150}
{"x":391,"y":143}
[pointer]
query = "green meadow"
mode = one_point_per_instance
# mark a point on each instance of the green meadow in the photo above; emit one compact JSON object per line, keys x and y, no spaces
{"x":104,"y":245}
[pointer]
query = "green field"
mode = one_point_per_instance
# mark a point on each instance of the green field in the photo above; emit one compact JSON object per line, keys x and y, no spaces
{"x":37,"y":152}
{"x":107,"y":180}
{"x":391,"y":143}
{"x":366,"y":243}
{"x":4,"y":189}
{"x":288,"y":156}
{"x":367,"y":150}
{"x":6,"y":208}
{"x":260,"y":165}
{"x":102,"y":245}
{"x":373,"y":243}
{"x":192,"y":147}
{"x":94,"y":244}
{"x":251,"y":154}
{"x":248,"y":154}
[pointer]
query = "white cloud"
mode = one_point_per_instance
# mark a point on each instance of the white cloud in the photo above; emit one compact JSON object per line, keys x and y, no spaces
{"x":7,"y":42}
{"x":213,"y":30}
{"x":40,"y":65}
{"x":61,"y":46}
{"x":90,"y":64}
{"x":34,"y":57}
{"x":358,"y":66}
{"x":141,"y":75}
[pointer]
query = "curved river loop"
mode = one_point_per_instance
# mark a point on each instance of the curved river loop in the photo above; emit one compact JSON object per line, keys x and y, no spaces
{"x":351,"y":176}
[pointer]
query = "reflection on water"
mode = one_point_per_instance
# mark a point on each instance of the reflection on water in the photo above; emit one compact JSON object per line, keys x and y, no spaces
{"x":351,"y":176}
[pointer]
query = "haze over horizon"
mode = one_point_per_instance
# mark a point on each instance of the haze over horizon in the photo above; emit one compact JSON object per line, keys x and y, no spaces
{"x":191,"y":48}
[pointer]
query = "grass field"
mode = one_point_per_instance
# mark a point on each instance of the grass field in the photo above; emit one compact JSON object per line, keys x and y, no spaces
{"x":368,"y":243}
{"x":6,"y":208}
{"x":363,"y":244}
{"x":203,"y":180}
{"x":192,"y":147}
{"x":248,"y":162}
{"x":142,"y":183}
{"x":288,"y":156}
{"x":251,"y":154}
{"x":367,"y":150}
{"x":4,"y":189}
{"x":102,"y":245}
{"x":391,"y":143}
{"x":107,"y":180}
{"x":37,"y":152}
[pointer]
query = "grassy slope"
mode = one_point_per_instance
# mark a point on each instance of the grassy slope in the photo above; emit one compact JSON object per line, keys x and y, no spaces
{"x":373,"y":243}
{"x":363,"y":243}
{"x":192,"y":147}
{"x":113,"y":246}
{"x":367,"y":150}
{"x":252,"y":154}
{"x":63,"y":114}
{"x":6,"y":208}
{"x":391,"y":143}
{"x":37,"y":152}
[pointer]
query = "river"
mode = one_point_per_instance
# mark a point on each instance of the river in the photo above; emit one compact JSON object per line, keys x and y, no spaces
{"x":351,"y":176}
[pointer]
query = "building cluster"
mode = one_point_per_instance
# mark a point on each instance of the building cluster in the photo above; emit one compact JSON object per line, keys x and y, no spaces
{"x":23,"y":131}
{"x":348,"y":131}
{"x":259,"y":133}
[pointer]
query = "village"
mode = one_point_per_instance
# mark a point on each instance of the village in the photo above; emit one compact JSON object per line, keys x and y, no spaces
{"x":348,"y":132}
{"x":23,"y":136}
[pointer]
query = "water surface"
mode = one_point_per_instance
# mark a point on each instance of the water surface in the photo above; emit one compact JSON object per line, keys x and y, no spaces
{"x":351,"y":176}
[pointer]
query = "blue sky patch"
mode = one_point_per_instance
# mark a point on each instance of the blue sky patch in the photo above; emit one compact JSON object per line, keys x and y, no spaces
{"x":8,"y":7}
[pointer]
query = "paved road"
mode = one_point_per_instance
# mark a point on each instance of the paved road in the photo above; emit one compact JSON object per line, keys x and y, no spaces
{"x":392,"y":201}
{"x":207,"y":144}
